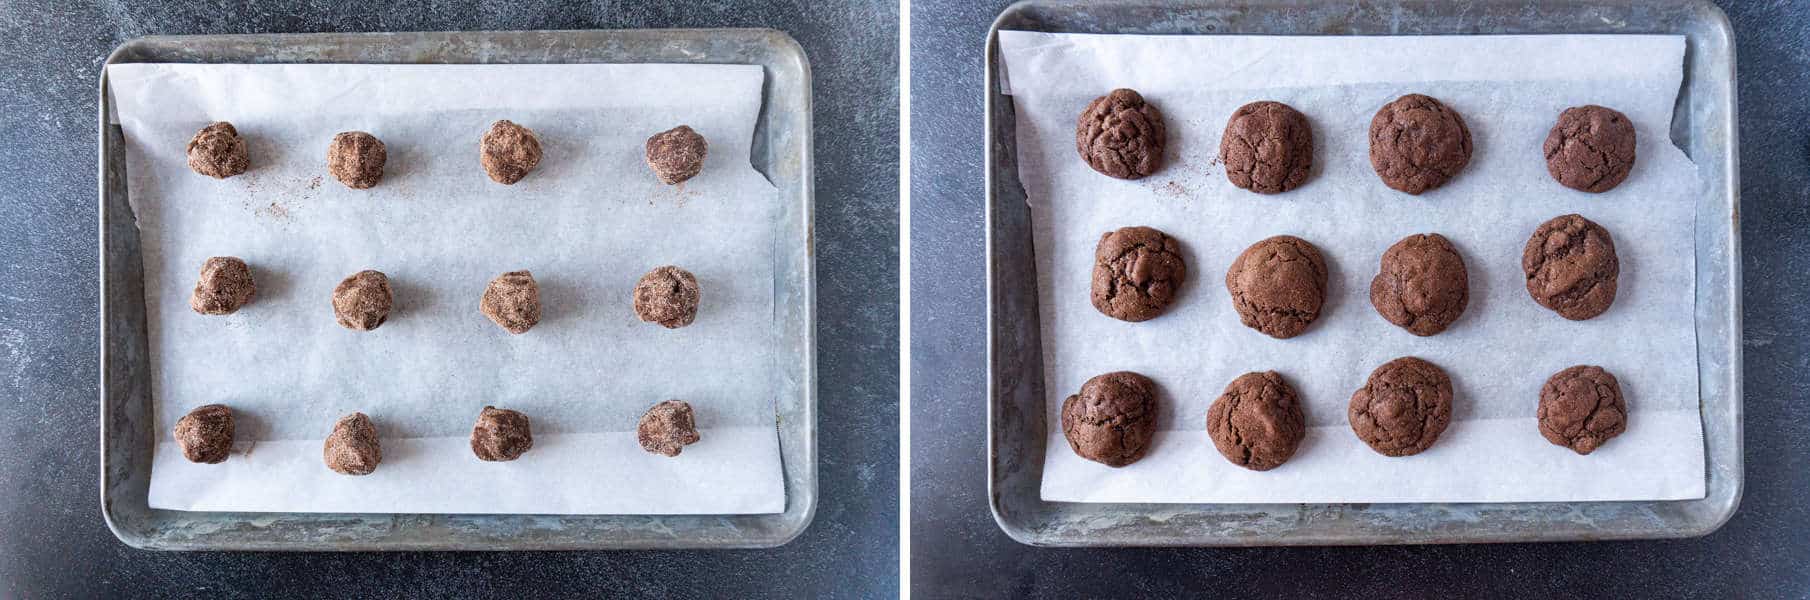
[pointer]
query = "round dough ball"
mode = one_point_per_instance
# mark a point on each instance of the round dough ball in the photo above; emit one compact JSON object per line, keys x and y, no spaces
{"x":217,"y":151}
{"x":1581,"y":408}
{"x":205,"y":434}
{"x":501,"y":435}
{"x":1278,"y":285}
{"x":1571,"y":267}
{"x":1113,"y":418}
{"x":1418,"y":144}
{"x":1121,"y":136}
{"x":356,"y":159}
{"x":1421,"y":285}
{"x":1268,"y":147}
{"x":667,"y":428}
{"x":667,"y":295}
{"x":1137,"y":272}
{"x":352,"y":448}
{"x":225,"y":286}
{"x":1590,"y":149}
{"x":362,"y":302}
{"x":1403,"y":407}
{"x":509,"y":152}
{"x":676,"y":154}
{"x":512,"y":301}
{"x":1257,"y":423}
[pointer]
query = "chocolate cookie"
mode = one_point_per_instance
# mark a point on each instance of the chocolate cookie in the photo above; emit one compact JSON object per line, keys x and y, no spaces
{"x":1121,"y":136}
{"x":1590,"y":149}
{"x":362,"y":302}
{"x":501,"y":435}
{"x":1268,"y":147}
{"x":512,"y":301}
{"x":1581,"y":408}
{"x":667,"y":428}
{"x":1278,"y":285}
{"x":1113,"y":418}
{"x":217,"y":151}
{"x":1137,"y":271}
{"x":1257,"y":422}
{"x":508,"y":152}
{"x":1422,"y":285}
{"x":676,"y":154}
{"x":1403,"y":407}
{"x":1418,"y":144}
{"x":225,"y":286}
{"x":1571,"y":267}
{"x":205,"y":434}
{"x":356,"y":159}
{"x":352,"y":448}
{"x":667,"y":295}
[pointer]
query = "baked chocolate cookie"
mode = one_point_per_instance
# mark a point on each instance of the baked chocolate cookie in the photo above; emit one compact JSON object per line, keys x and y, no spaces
{"x":1257,"y":422}
{"x":1113,"y":418}
{"x":1581,"y":408}
{"x":356,"y":159}
{"x":1121,"y":136}
{"x":1137,"y":272}
{"x":1278,"y":285}
{"x":1571,"y":267}
{"x":1418,"y":144}
{"x":1268,"y":147}
{"x":1590,"y":149}
{"x":225,"y":286}
{"x":352,"y":448}
{"x":1421,"y":285}
{"x":217,"y":151}
{"x":205,"y":434}
{"x":362,"y":302}
{"x":1403,"y":407}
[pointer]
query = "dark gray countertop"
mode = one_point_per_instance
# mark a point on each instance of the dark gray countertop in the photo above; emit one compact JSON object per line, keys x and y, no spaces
{"x":53,"y":542}
{"x":957,"y":550}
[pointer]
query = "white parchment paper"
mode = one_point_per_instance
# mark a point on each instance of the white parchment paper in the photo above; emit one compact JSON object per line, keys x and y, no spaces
{"x":588,"y":223}
{"x":1510,"y":90}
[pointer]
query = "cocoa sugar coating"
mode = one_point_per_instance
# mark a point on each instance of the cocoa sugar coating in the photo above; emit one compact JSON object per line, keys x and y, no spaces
{"x":1581,"y":408}
{"x":217,"y":151}
{"x":362,"y":302}
{"x":676,"y":154}
{"x":1257,"y":423}
{"x":667,"y":428}
{"x":1113,"y":418}
{"x":1137,"y":272}
{"x":205,"y":434}
{"x":225,"y":286}
{"x":1121,"y":136}
{"x":356,"y":159}
{"x":508,"y":152}
{"x":352,"y":448}
{"x":512,"y":301}
{"x":667,"y":295}
{"x":501,"y":435}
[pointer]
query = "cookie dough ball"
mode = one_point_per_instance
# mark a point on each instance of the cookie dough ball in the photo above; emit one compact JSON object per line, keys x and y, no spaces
{"x":667,"y":428}
{"x":1403,"y":407}
{"x":362,"y":301}
{"x":352,"y":447}
{"x":676,"y":154}
{"x":1113,"y":418}
{"x":1590,"y":149}
{"x":205,"y":434}
{"x":1571,"y":267}
{"x":501,"y":435}
{"x":1121,"y":136}
{"x":1268,"y":147}
{"x":1257,"y":422}
{"x":667,"y":295}
{"x":356,"y":159}
{"x":217,"y":151}
{"x":1418,"y":144}
{"x":225,"y":286}
{"x":1137,"y":272}
{"x":1581,"y":408}
{"x":1278,"y":285}
{"x":512,"y":301}
{"x":1422,"y":285}
{"x":508,"y":152}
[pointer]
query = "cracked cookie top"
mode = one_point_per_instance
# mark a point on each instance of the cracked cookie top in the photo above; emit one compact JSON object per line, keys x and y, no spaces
{"x":1590,"y":149}
{"x":1581,"y":408}
{"x":1421,"y":285}
{"x":1121,"y":136}
{"x":1268,"y":147}
{"x":1137,"y":272}
{"x":1278,"y":285}
{"x":1571,"y":267}
{"x":1257,"y":422}
{"x":1113,"y":418}
{"x":1403,"y":407}
{"x":1418,"y":144}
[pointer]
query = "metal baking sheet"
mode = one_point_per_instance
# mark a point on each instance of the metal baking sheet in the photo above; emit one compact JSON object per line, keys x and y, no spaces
{"x":1703,"y":126}
{"x":781,"y":151}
